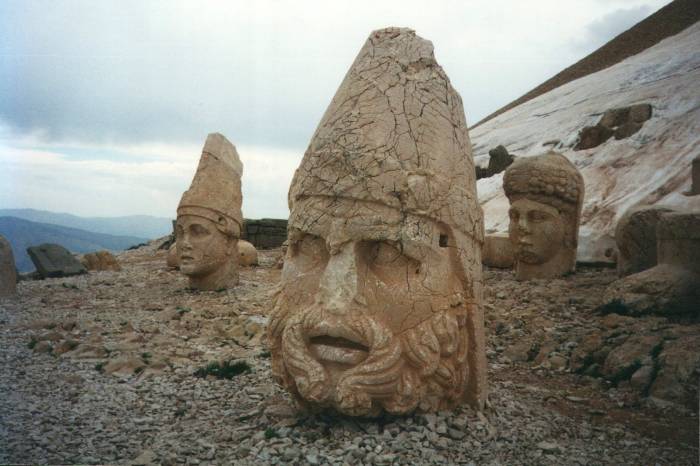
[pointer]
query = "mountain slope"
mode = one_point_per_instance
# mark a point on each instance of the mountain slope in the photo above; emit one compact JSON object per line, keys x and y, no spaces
{"x":22,"y":233}
{"x":668,"y":21}
{"x":652,"y":166}
{"x":143,"y":226}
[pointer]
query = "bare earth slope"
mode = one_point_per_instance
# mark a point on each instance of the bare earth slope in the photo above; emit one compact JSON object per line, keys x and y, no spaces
{"x":100,"y":369}
{"x":652,"y":166}
{"x":668,"y":21}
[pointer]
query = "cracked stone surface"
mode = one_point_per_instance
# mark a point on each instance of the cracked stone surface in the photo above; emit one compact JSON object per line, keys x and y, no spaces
{"x":209,"y":218}
{"x":546,"y":196}
{"x":379,"y":305}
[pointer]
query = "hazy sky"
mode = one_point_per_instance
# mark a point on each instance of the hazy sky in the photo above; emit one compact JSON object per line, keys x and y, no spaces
{"x":105,"y":105}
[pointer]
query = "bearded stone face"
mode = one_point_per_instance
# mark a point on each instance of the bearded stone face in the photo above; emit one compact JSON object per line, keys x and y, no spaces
{"x":371,"y":314}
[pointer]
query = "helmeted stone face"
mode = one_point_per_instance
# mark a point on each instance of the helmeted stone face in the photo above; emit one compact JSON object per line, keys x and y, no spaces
{"x":379,"y":305}
{"x":209,"y":218}
{"x":8,"y":273}
{"x":546,"y":198}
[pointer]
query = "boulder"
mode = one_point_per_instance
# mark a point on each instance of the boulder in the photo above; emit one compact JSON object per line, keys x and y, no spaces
{"x":248,"y":255}
{"x":53,"y":260}
{"x":100,"y":261}
{"x":635,"y":235}
{"x":8,"y":272}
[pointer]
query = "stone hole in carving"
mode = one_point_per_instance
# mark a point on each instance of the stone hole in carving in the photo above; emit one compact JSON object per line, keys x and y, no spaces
{"x":443,"y":241}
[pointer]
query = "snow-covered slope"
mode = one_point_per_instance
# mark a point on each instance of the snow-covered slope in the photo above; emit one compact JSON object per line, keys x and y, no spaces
{"x":652,"y":166}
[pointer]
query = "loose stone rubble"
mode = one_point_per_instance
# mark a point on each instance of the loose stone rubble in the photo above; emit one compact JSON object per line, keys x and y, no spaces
{"x":546,"y":196}
{"x":379,"y":303}
{"x":65,"y":408}
{"x":8,"y":272}
{"x":209,"y":218}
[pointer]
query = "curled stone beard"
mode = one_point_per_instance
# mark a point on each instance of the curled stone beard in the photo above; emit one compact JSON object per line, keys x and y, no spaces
{"x":425,"y":367}
{"x":357,"y":389}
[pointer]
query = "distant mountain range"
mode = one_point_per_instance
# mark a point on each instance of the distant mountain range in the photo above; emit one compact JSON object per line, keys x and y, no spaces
{"x":143,"y":226}
{"x":23,"y":233}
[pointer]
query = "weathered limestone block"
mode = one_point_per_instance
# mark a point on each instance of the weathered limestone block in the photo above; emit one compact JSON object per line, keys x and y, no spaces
{"x":247,"y":254}
{"x":546,"y":196}
{"x":53,"y":260}
{"x":209,"y":218}
{"x":8,"y":272}
{"x":380,"y":301}
{"x":673,"y":285}
{"x":498,"y":251}
{"x":100,"y":260}
{"x":635,"y":235}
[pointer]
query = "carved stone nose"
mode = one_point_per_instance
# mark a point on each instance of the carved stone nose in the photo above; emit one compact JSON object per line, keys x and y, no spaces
{"x":339,"y":284}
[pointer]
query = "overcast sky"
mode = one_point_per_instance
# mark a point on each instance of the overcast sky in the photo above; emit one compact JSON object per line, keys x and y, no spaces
{"x":105,"y":105}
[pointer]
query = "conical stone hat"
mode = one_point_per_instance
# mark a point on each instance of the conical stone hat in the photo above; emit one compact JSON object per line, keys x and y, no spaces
{"x":395,"y":134}
{"x":216,"y":187}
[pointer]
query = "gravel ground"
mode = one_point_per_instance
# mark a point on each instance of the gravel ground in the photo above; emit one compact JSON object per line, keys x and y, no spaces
{"x":124,"y":390}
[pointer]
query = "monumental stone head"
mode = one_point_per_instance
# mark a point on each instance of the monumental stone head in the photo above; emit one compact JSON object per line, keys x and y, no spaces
{"x":209,"y":218}
{"x":546,"y":197}
{"x":379,"y":304}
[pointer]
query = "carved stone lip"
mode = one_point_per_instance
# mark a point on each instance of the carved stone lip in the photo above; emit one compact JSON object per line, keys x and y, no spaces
{"x":338,"y":350}
{"x":337,"y":343}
